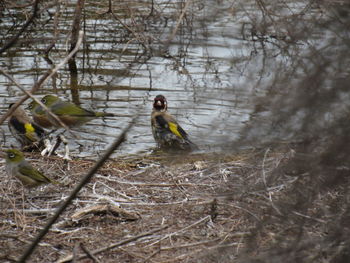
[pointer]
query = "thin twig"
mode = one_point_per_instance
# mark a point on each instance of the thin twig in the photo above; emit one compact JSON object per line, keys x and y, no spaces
{"x":151,"y":256}
{"x":197,"y":251}
{"x":246,"y":210}
{"x":75,"y":253}
{"x":194,"y":244}
{"x":88,"y":253}
{"x":265,"y":183}
{"x":111,"y":189}
{"x":309,"y":217}
{"x":76,"y":23}
{"x":28,"y":211}
{"x":263,"y":168}
{"x":27,"y":23}
{"x":179,"y":21}
{"x":35,"y":99}
{"x":56,"y":31}
{"x":155,"y":184}
{"x":118,"y":244}
{"x":43,"y":79}
{"x":181,"y":230}
{"x":86,"y":179}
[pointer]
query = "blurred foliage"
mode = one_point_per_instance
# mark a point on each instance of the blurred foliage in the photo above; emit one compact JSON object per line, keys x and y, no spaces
{"x":307,"y":110}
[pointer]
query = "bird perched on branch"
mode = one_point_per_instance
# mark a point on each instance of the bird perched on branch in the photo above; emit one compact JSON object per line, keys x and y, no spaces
{"x":69,"y":113}
{"x":22,"y":127}
{"x":166,"y":131}
{"x":17,"y":166}
{"x":39,"y":114}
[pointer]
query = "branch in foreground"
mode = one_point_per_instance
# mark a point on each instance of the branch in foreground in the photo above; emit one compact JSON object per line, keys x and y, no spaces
{"x":86,"y":179}
{"x":43,"y":79}
{"x":15,"y":106}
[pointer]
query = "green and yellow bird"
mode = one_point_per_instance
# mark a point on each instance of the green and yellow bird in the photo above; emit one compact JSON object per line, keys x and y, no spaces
{"x":69,"y":113}
{"x":166,"y":131}
{"x":18,"y":167}
{"x":39,"y":115}
{"x":25,"y":130}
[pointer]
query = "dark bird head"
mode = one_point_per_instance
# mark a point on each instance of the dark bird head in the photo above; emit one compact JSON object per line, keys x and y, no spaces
{"x":160,"y":103}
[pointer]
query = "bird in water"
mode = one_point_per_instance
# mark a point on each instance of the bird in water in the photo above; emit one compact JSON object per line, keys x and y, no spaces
{"x":166,"y":131}
{"x":23,"y":128}
{"x":69,"y":113}
{"x":18,"y":167}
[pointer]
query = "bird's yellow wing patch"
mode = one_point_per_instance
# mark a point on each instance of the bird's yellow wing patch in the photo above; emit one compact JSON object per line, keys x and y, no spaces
{"x":174,"y":129}
{"x":30,"y":131}
{"x":29,"y":127}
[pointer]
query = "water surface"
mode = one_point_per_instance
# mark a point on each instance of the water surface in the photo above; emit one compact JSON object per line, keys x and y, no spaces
{"x":210,"y":72}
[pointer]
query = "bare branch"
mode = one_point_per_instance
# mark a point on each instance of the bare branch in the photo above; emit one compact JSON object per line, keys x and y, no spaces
{"x":43,"y":80}
{"x":179,"y":21}
{"x":86,"y":179}
{"x":31,"y":96}
{"x":29,"y":21}
{"x":88,"y":253}
{"x":204,"y":219}
{"x":118,"y":244}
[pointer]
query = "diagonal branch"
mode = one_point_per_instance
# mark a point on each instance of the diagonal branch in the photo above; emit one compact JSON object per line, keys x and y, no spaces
{"x":86,"y":179}
{"x":43,"y":79}
{"x":179,"y":21}
{"x":35,"y":99}
{"x":29,"y":21}
{"x":114,"y":245}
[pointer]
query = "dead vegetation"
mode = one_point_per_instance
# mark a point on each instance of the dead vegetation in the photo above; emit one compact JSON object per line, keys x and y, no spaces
{"x":163,"y":209}
{"x":183,"y":200}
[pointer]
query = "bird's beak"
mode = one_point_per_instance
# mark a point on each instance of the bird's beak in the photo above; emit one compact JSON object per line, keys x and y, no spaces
{"x":159,"y":103}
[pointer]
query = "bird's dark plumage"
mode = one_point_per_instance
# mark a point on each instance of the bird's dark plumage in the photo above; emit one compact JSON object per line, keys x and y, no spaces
{"x":168,"y":134}
{"x":28,"y":133}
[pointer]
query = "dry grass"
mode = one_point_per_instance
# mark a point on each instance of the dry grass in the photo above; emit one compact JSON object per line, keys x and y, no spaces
{"x":205,"y":202}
